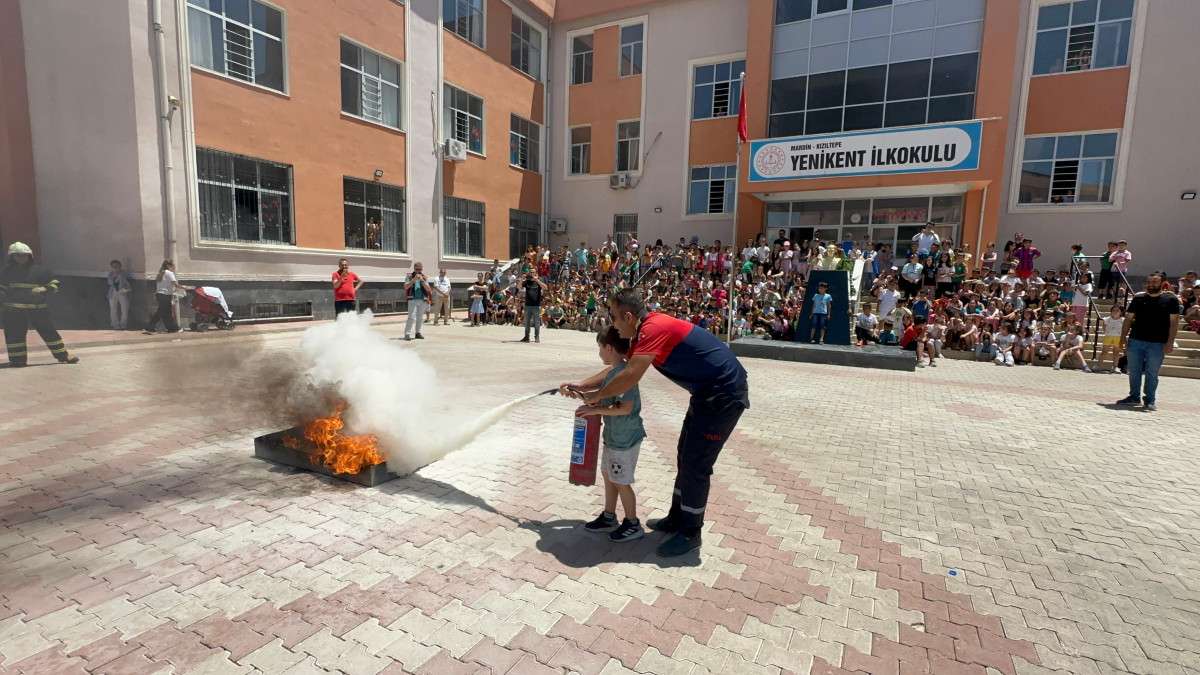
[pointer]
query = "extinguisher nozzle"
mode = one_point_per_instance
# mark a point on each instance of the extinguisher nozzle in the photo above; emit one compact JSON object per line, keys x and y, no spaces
{"x":548,"y":392}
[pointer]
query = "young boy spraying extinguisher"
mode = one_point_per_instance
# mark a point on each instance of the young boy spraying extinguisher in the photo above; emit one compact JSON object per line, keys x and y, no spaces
{"x":622,"y":439}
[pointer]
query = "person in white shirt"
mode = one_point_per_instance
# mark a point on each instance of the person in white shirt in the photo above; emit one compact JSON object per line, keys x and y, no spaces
{"x":442,"y":308}
{"x":864,"y":326}
{"x":166,"y":288}
{"x":888,"y":299}
{"x":925,"y":239}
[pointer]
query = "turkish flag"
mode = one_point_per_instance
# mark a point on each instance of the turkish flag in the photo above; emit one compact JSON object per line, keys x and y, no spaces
{"x":743,"y":123}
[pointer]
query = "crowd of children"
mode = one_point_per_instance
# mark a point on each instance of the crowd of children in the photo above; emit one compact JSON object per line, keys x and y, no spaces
{"x":998,"y":306}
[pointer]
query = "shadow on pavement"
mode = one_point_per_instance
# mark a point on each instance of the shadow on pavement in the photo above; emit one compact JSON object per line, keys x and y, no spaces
{"x":1124,"y":408}
{"x":574,"y":546}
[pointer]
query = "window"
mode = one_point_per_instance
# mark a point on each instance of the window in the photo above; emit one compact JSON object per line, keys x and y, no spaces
{"x":524,"y":230}
{"x":463,"y":230}
{"x":826,"y":6}
{"x":462,"y":118}
{"x":581,"y":150}
{"x":710,"y":189}
{"x":581,"y":59}
{"x":373,"y":215}
{"x":524,"y":140}
{"x":628,"y":145}
{"x":898,"y":94}
{"x":464,"y":17}
{"x":1082,"y":35}
{"x":526,"y":48}
{"x":716,"y":89}
{"x":239,"y":38}
{"x":625,"y":225}
{"x":631,"y":49}
{"x":243,"y":199}
{"x":1070,"y":169}
{"x":787,"y":11}
{"x":370,"y":85}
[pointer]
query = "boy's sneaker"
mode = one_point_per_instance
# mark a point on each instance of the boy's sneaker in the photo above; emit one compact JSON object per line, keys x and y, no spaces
{"x":605,"y":522}
{"x":1058,"y":366}
{"x":1149,"y":406}
{"x":932,"y":363}
{"x":628,"y":531}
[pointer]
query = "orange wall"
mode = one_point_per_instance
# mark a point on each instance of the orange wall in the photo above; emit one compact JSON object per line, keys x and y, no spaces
{"x":505,"y":91}
{"x":306,"y":128}
{"x":18,"y":208}
{"x":712,"y":141}
{"x":1080,"y":101}
{"x":604,"y":101}
{"x":993,"y":96}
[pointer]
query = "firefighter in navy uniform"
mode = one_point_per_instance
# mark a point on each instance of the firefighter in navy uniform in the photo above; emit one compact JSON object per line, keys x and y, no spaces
{"x":24,"y":288}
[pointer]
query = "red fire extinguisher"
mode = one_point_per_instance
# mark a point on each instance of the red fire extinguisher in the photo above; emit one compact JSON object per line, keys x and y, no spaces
{"x":585,"y":450}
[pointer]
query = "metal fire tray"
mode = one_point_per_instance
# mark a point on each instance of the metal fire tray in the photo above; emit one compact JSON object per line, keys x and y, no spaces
{"x":271,"y":448}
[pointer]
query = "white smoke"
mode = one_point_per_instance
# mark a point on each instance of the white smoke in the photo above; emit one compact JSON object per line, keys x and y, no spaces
{"x":387,"y":389}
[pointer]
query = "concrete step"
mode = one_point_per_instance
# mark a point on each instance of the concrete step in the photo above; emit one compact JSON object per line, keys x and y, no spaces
{"x":1188,"y":372}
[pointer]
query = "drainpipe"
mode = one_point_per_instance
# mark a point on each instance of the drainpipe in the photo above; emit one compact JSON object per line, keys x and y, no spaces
{"x":165,"y":106}
{"x":435,"y":102}
{"x":547,"y":138}
{"x":979,"y":237}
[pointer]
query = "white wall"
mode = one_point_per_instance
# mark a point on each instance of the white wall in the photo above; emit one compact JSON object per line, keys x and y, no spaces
{"x":1163,"y":161}
{"x":676,"y":33}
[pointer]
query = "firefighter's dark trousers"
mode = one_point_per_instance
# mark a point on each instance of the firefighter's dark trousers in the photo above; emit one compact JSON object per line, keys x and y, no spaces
{"x":17,"y":323}
{"x":707,"y":425}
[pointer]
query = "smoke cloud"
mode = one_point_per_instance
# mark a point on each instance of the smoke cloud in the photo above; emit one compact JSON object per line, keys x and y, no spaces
{"x":386,"y":388}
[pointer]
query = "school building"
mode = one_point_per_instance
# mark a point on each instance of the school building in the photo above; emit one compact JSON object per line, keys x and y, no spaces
{"x":256,"y":141}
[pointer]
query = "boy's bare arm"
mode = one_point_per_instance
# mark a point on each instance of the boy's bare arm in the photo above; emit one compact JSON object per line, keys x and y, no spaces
{"x":590,"y":384}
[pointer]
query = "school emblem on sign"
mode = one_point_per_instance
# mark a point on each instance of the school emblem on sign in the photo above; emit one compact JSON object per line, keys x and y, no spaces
{"x":770,"y":161}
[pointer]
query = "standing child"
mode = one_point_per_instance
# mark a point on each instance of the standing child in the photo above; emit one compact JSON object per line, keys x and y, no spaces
{"x":1107,"y":284}
{"x":1112,"y":337}
{"x":821,"y":302}
{"x":622,"y":438}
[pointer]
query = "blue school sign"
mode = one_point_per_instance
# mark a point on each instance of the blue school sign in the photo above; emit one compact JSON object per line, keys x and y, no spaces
{"x":935,"y":147}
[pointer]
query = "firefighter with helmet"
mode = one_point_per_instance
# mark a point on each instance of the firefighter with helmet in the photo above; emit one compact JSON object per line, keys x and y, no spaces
{"x":23,"y":290}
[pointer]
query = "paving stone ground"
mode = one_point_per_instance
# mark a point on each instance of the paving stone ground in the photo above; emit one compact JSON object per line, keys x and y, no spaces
{"x":964,"y":519}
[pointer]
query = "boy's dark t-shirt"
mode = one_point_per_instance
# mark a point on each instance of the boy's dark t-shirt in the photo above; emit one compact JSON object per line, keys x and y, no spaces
{"x":533,"y":294}
{"x":1153,"y":316}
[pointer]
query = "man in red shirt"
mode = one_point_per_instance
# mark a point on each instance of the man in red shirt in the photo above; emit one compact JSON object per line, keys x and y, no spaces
{"x":696,"y":360}
{"x":345,"y":287}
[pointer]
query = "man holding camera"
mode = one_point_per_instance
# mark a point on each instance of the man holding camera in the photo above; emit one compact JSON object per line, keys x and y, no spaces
{"x":418,"y":292}
{"x":345,"y":288}
{"x":533,"y":287}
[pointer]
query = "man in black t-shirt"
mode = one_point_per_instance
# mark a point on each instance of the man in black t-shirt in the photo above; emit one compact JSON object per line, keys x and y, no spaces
{"x":533,"y":287}
{"x":1151,"y":322}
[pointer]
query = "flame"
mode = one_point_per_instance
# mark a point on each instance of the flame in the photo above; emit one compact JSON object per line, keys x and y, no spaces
{"x":340,"y":452}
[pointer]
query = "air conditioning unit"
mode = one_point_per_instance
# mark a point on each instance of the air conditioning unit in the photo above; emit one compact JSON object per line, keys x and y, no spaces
{"x":618,"y":181}
{"x":558,"y":225}
{"x":456,"y":150}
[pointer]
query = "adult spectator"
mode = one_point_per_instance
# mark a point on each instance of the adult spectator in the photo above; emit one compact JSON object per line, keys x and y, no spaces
{"x":925,"y":240}
{"x":441,"y":298}
{"x":911,"y":276}
{"x":345,"y":288}
{"x":533,"y":287}
{"x":166,"y":289}
{"x":119,"y":291}
{"x":418,"y":292}
{"x":23,"y":290}
{"x":1151,"y":322}
{"x":698,"y":361}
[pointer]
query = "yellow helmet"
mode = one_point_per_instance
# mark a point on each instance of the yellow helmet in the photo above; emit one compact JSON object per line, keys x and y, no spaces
{"x":19,"y":248}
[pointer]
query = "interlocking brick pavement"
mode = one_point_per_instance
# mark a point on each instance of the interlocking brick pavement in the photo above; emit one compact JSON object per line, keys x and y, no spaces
{"x":967,"y":519}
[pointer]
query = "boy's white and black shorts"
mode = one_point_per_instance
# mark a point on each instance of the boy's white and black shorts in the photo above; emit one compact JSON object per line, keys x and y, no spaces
{"x":619,"y":463}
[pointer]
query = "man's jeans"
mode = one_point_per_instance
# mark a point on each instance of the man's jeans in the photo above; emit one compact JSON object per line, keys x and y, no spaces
{"x":1145,"y":358}
{"x":533,"y":318}
{"x":416,"y":314}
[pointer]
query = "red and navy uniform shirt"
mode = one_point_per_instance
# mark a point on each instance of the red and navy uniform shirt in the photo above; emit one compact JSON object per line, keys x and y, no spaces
{"x":691,"y":357}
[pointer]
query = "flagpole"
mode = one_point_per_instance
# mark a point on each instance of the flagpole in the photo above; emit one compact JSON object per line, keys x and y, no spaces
{"x":737,"y":182}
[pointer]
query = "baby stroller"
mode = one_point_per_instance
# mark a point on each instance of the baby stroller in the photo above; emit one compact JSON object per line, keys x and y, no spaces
{"x":208,"y":304}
